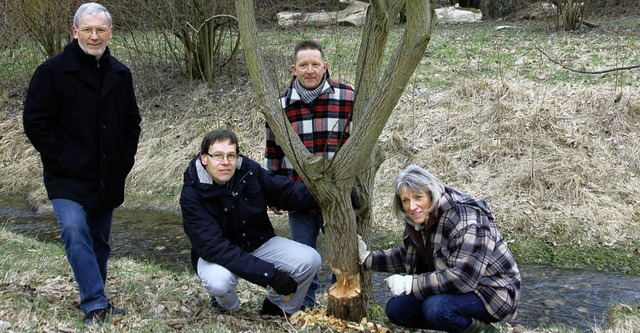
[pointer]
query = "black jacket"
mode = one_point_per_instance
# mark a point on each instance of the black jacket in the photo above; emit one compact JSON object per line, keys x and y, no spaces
{"x":226,"y":223}
{"x":83,"y":118}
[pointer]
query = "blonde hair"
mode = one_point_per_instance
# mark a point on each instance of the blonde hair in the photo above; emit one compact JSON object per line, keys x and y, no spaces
{"x":416,"y":179}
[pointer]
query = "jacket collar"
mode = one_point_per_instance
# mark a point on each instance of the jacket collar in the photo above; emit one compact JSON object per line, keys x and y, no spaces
{"x":203,"y":176}
{"x":74,"y":60}
{"x":294,"y":96}
{"x":431,"y":221}
{"x":205,"y":183}
{"x":452,"y":197}
{"x":77,"y":60}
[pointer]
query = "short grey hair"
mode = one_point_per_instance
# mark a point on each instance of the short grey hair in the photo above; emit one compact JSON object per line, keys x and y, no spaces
{"x":92,"y":8}
{"x":416,"y":179}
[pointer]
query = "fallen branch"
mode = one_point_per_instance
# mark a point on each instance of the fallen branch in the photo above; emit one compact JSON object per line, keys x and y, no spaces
{"x":587,"y":72}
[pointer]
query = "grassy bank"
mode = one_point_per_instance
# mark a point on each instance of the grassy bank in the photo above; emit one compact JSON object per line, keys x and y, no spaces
{"x":38,"y":294}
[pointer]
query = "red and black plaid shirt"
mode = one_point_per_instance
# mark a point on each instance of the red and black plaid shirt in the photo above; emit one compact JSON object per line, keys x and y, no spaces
{"x":323,"y":125}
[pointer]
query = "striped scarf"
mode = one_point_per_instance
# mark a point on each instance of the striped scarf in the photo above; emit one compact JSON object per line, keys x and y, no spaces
{"x":307,"y":95}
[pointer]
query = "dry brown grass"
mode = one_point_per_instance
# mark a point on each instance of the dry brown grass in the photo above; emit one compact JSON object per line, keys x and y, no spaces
{"x":555,"y":154}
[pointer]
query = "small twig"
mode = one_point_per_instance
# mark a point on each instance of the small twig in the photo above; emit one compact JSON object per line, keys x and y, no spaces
{"x":587,"y":72}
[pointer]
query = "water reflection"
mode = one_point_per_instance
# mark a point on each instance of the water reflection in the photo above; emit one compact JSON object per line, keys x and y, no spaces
{"x":141,"y":235}
{"x":576,"y":298}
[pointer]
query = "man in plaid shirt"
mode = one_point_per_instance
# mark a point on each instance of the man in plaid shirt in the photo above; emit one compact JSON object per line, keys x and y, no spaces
{"x":319,"y":110}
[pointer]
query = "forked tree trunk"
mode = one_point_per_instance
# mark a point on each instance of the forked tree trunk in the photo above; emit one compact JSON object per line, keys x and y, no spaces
{"x":378,"y":90}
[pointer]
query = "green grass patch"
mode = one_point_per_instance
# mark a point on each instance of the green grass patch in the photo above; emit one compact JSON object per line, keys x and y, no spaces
{"x":620,"y":259}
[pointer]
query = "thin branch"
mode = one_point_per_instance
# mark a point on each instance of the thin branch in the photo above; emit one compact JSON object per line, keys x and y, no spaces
{"x":587,"y":72}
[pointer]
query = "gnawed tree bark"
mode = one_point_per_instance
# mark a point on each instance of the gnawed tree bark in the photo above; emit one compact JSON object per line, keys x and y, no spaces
{"x":355,"y":165}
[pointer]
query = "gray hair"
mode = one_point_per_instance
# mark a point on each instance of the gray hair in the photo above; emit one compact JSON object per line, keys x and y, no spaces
{"x":416,"y":179}
{"x":92,"y":8}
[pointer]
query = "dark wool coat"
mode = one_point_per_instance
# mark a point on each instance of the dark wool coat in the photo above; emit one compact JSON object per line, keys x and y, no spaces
{"x":226,"y":223}
{"x":83,"y":118}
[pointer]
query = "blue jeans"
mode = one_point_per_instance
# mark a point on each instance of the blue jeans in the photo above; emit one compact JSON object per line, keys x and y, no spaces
{"x":440,"y":312}
{"x":85,"y":235}
{"x":305,"y":228}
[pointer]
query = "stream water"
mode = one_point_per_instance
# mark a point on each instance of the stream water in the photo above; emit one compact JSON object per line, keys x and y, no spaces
{"x":577,"y":298}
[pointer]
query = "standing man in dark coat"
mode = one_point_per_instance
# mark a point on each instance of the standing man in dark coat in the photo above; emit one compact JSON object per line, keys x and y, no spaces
{"x":82,"y":116}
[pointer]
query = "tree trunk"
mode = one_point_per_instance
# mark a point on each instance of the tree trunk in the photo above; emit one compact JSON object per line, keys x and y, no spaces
{"x":346,"y":300}
{"x":364,"y":218}
{"x":378,"y":90}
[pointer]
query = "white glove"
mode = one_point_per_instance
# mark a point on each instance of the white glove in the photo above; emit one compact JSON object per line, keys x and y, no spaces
{"x":400,"y":284}
{"x":362,"y":250}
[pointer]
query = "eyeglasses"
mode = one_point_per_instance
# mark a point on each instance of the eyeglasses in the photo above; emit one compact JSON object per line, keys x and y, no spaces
{"x":220,"y":157}
{"x":98,"y":31}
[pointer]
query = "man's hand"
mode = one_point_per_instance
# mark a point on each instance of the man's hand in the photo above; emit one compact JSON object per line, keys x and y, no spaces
{"x":282,"y":283}
{"x":362,"y":250}
{"x":400,"y":284}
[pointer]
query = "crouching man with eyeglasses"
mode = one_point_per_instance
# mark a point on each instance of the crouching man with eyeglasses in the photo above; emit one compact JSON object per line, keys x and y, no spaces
{"x":224,"y":204}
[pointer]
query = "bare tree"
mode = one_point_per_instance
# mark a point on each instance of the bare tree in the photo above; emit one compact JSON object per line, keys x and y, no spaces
{"x":378,"y":90}
{"x":571,"y":14}
{"x":46,"y":22}
{"x":200,"y":34}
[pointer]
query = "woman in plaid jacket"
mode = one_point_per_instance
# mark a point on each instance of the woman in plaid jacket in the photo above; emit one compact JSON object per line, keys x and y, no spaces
{"x":454,"y":271}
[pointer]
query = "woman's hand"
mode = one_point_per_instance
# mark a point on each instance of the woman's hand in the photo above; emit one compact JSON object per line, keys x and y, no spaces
{"x":362,"y":250}
{"x":400,"y":284}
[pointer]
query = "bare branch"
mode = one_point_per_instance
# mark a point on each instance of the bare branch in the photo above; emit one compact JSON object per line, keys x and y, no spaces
{"x":587,"y":72}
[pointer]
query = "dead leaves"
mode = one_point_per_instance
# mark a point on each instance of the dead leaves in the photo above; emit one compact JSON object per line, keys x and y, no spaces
{"x":319,"y":317}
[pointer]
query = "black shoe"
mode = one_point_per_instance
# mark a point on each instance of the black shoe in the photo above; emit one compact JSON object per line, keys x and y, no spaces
{"x":270,"y":309}
{"x":215,"y":305}
{"x":112,"y":310}
{"x":95,"y":317}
